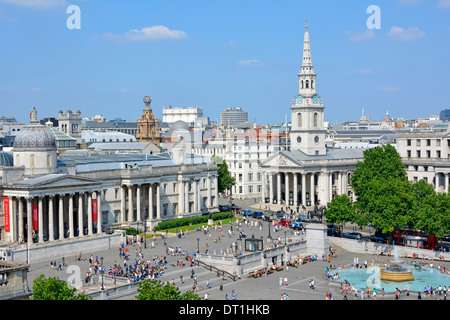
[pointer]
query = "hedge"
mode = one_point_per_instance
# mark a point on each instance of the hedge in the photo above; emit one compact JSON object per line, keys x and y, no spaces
{"x":176,"y":223}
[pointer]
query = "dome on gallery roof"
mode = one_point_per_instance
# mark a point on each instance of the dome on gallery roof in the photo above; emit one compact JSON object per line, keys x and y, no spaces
{"x":6,"y":159}
{"x":34,"y":136}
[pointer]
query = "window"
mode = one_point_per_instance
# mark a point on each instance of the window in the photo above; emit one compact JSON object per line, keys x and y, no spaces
{"x":316,"y":120}
{"x":299,"y":119}
{"x":438,"y":153}
{"x":428,"y":142}
{"x":418,"y":142}
{"x":428,"y":154}
{"x":307,"y":84}
{"x":408,"y":142}
{"x":409,"y":153}
{"x":418,"y":153}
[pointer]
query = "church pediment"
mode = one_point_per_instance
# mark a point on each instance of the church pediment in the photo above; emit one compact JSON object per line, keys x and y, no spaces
{"x":281,"y":160}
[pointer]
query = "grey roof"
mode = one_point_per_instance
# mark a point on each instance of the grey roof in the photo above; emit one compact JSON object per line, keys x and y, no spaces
{"x":332,"y":154}
{"x":119,"y":145}
{"x":59,"y":179}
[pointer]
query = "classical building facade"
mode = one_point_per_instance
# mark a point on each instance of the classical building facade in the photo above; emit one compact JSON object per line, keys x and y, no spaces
{"x":82,"y":194}
{"x":148,"y":124}
{"x":310,"y":173}
{"x":426,"y":155}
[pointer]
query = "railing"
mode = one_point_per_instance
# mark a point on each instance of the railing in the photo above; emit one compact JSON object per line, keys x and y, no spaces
{"x":216,"y":269}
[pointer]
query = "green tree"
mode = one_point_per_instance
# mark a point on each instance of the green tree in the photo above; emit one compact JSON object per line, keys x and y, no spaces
{"x":225,"y":180}
{"x":54,"y":289}
{"x":340,"y":210}
{"x":383,"y":192}
{"x":157,"y":290}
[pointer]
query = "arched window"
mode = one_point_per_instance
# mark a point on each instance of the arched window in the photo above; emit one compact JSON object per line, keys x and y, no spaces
{"x":301,"y":84}
{"x":316,"y":119}
{"x":32,"y":161}
{"x":307,"y":84}
{"x":299,"y":119}
{"x":312,"y":84}
{"x":49,"y":160}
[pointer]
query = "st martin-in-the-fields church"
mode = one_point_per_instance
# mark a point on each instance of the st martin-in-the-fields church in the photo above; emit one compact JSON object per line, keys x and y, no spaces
{"x":309,"y":173}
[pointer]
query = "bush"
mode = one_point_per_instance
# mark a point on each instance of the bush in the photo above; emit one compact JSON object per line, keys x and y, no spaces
{"x":177,"y":223}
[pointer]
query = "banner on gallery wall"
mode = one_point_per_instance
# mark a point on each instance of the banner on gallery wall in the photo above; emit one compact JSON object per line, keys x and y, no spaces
{"x":6,"y":213}
{"x":94,"y":210}
{"x":35,"y":217}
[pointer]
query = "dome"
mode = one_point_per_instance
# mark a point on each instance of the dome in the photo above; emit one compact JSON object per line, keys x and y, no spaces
{"x":6,"y":159}
{"x":179,"y":125}
{"x":35,"y":136}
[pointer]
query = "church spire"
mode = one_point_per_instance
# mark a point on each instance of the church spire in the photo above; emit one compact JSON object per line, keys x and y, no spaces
{"x":306,"y":49}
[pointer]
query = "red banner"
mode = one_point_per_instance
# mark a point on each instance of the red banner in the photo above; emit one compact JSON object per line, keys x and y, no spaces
{"x":35,"y":217}
{"x":94,"y":210}
{"x":6,"y":212}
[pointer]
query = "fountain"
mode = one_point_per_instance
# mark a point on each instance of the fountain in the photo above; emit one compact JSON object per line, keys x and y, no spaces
{"x":396,"y":271}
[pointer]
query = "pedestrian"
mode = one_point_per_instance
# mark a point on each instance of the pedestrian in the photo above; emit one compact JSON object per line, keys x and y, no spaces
{"x":285,"y":281}
{"x":281,"y":281}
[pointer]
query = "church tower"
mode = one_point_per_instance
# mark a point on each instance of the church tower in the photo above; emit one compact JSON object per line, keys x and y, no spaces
{"x":307,"y":111}
{"x":148,"y":125}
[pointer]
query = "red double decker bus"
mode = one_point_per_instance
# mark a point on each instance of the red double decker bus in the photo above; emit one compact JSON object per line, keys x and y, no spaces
{"x":414,"y":238}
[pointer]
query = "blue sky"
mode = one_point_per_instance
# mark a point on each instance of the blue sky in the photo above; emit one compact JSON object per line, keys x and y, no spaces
{"x":219,"y":54}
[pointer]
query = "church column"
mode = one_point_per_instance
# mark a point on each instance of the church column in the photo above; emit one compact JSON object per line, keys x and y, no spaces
{"x":89,"y":213}
{"x":271,"y":187}
{"x":181,"y":197}
{"x":51,"y":226}
{"x":304,"y":189}
{"x":71,"y":228}
{"x":279,"y":187}
{"x":331,"y":186}
{"x":287,"y":188}
{"x":296,"y":189}
{"x":80,"y":214}
{"x":41,"y":220}
{"x":312,"y":193}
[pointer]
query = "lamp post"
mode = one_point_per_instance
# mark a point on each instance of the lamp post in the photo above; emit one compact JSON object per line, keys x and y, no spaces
{"x":284,"y":237}
{"x":101,"y":260}
{"x":198,"y":245}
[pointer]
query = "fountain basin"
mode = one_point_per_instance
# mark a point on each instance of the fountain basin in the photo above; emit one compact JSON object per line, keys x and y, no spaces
{"x":397,"y":276}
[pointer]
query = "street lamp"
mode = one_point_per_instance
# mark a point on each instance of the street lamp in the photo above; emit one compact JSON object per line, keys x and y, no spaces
{"x":198,"y":245}
{"x":284,"y":237}
{"x":101,"y":260}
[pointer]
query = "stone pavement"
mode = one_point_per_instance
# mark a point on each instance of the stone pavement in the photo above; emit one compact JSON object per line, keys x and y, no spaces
{"x":265,"y":288}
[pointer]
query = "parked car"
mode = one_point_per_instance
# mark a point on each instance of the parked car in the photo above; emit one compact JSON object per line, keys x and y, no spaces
{"x":224,"y":208}
{"x":333,"y":231}
{"x":375,"y":238}
{"x":246,"y":212}
{"x":258,"y":215}
{"x":270,"y":216}
{"x":297,"y":225}
{"x":280,"y":213}
{"x":284,"y":223}
{"x":353,"y":235}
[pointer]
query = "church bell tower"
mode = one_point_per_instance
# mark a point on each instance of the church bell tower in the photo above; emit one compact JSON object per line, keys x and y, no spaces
{"x":307,"y":111}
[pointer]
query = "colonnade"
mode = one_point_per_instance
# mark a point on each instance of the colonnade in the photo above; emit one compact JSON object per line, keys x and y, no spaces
{"x":446,"y":177}
{"x":52,"y":217}
{"x":304,"y":188}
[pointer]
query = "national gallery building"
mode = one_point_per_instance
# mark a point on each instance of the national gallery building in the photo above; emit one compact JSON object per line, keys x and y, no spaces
{"x":79,"y":195}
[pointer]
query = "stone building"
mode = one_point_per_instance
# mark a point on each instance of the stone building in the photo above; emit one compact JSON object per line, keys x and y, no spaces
{"x":148,"y":125}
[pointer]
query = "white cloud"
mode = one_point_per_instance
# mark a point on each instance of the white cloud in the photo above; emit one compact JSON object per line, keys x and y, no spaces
{"x":410,"y":34}
{"x":37,"y":4}
{"x":389,"y":89}
{"x":148,"y":33}
{"x":444,"y":4}
{"x":249,"y":62}
{"x":231,"y":44}
{"x":37,"y":89}
{"x":362,"y":36}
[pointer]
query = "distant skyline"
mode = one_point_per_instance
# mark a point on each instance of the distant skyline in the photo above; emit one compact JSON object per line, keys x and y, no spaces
{"x":217,"y":55}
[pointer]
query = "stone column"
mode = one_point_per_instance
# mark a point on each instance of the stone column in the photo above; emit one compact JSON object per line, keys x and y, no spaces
{"x":130,"y":204}
{"x":446,"y":182}
{"x":216,"y":187}
{"x":123,"y":204}
{"x":61,"y":216}
{"x":12,"y":218}
{"x":279,"y":187}
{"x":29,"y":220}
{"x":89,"y":213}
{"x":304,"y":189}
{"x":330,"y":186}
{"x":150,"y":201}
{"x":208,"y":185}
{"x":263,"y":190}
{"x":41,"y":220}
{"x":180,"y":197}
{"x":71,"y":228}
{"x":99,"y":212}
{"x":158,"y":201}
{"x":80,"y":214}
{"x":313,"y":190}
{"x":51,"y":226}
{"x":138,"y":203}
{"x":295,"y":189}
{"x":195,"y":195}
{"x":287,"y":187}
{"x":186,"y":197}
{"x":271,"y":187}
{"x":20,"y":229}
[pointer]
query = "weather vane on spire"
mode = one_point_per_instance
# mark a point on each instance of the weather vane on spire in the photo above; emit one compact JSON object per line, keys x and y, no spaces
{"x":306,"y":23}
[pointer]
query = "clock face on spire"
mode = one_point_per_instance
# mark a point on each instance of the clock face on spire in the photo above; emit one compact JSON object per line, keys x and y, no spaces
{"x":299,"y":100}
{"x":315,"y":99}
